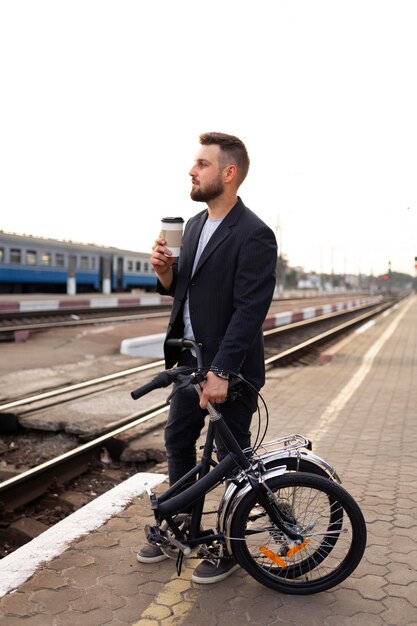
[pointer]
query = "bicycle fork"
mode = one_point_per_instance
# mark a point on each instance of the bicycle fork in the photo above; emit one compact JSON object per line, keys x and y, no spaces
{"x":269,"y":501}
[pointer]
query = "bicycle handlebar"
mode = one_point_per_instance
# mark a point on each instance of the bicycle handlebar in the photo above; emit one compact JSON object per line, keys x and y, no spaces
{"x":163,"y":379}
{"x":188,"y":343}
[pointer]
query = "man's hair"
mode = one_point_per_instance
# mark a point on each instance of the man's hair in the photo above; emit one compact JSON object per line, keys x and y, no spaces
{"x":232,"y":150}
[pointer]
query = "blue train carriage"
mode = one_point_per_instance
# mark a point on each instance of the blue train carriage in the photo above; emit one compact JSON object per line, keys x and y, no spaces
{"x":32,"y":264}
{"x":132,"y":270}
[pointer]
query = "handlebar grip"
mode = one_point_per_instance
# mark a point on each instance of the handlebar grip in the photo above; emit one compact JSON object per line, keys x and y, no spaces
{"x":163,"y":379}
{"x":176,"y":343}
{"x":142,"y":391}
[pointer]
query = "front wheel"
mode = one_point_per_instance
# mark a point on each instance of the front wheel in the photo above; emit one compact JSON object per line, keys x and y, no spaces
{"x":329,"y":521}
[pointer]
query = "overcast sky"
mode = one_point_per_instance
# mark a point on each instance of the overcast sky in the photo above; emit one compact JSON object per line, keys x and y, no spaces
{"x":102,"y":103}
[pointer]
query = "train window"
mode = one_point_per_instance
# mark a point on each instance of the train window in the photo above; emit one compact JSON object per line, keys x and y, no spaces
{"x":15,"y":255}
{"x":138,"y":266}
{"x":72,"y":264}
{"x":84,"y":262}
{"x":146,"y":267}
{"x":59,"y":259}
{"x":31,"y":257}
{"x":46,"y":258}
{"x":93,"y":262}
{"x":1,"y":255}
{"x":129,"y":266}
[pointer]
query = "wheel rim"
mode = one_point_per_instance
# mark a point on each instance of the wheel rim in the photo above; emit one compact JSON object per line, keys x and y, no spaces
{"x":329,"y":522}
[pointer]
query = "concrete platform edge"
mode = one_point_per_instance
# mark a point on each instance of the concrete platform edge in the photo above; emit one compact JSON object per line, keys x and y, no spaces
{"x":20,"y":565}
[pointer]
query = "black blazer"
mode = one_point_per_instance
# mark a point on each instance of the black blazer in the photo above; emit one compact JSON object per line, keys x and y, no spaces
{"x":230,"y":292}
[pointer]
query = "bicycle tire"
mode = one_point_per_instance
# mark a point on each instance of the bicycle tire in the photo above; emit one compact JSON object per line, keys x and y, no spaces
{"x":333,"y":530}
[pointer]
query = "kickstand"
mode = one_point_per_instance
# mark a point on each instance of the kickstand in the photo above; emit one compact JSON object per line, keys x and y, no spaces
{"x":180,"y":559}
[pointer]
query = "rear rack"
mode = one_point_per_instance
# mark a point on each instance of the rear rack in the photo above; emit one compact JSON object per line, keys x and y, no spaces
{"x":284,"y":444}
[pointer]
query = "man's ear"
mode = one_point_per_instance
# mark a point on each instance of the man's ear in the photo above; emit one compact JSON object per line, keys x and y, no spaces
{"x":229,"y":173}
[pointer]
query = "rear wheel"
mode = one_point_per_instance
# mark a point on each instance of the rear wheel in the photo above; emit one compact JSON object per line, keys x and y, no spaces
{"x":329,"y":521}
{"x":295,"y":464}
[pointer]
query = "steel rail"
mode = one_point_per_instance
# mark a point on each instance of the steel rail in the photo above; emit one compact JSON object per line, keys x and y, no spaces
{"x":14,"y":492}
{"x":81,"y":322}
{"x":77,"y":386}
{"x":322,"y":337}
{"x":321,"y":318}
{"x":117,"y":318}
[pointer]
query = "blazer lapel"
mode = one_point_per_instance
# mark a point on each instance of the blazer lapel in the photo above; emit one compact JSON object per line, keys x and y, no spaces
{"x":221,"y":233}
{"x":194,"y":236}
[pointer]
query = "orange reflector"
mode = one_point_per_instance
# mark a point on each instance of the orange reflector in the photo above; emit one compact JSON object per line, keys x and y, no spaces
{"x":298,"y":548}
{"x":272,"y":556}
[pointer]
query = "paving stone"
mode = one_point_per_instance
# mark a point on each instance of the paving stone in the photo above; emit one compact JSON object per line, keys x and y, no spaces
{"x":409,"y":592}
{"x":47,"y":579}
{"x":34,"y":620}
{"x":262,"y":610}
{"x":360,"y":619}
{"x":371,"y":444}
{"x":232,"y":617}
{"x":97,"y":617}
{"x":71,"y":558}
{"x":349,"y":602}
{"x":157,"y":611}
{"x":380,"y":528}
{"x":98,"y":597}
{"x":410,"y":558}
{"x":83,"y":577}
{"x":98,"y":540}
{"x":127,"y":585}
{"x":371,"y":587}
{"x":135,"y":606}
{"x":398,"y":611}
{"x":56,"y":601}
{"x":377,"y":555}
{"x":122,"y":524}
{"x":401,"y":574}
{"x":18,"y":604}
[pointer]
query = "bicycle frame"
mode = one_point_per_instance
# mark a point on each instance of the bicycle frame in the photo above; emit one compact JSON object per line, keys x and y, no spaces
{"x":248,"y":471}
{"x":257,"y":487}
{"x":177,"y":498}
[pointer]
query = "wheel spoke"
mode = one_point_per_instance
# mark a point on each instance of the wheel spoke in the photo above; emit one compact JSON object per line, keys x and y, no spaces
{"x":330,"y":524}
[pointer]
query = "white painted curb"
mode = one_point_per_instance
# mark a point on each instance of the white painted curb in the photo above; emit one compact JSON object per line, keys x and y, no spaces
{"x":20,"y":565}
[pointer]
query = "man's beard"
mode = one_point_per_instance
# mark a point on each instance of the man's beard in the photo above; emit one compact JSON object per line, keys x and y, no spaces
{"x":212,"y":191}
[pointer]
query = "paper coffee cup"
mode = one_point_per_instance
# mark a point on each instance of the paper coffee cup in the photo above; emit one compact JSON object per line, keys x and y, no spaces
{"x":171,"y":231}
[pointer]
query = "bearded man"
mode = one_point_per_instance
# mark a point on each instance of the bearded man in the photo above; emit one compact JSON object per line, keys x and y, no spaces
{"x":222,"y":284}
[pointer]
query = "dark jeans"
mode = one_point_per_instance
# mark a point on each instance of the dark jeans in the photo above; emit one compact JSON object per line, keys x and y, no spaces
{"x":186,"y":420}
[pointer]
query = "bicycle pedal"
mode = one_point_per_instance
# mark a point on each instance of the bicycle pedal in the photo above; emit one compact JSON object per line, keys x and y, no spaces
{"x":154,"y":537}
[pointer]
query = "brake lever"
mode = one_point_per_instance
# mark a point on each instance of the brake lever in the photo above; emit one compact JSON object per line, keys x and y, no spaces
{"x":185,"y":382}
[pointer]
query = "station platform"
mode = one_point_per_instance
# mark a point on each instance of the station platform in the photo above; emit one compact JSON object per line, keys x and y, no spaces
{"x":31,"y":303}
{"x":359,"y":407}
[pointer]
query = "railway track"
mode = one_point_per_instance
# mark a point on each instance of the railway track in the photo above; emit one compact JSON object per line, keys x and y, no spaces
{"x":46,"y":321}
{"x":295,"y":338}
{"x":308,"y":337}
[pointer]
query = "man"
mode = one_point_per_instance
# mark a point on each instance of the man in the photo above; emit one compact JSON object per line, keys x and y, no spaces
{"x":222,"y":285}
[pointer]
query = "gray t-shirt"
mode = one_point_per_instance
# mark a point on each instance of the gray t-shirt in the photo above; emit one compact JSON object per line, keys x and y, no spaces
{"x":207,"y":231}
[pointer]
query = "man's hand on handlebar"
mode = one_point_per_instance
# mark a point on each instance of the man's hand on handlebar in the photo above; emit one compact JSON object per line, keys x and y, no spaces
{"x":214,"y":390}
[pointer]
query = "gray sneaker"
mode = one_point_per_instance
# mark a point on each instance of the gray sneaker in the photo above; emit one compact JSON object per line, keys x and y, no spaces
{"x":207,"y":572}
{"x":148,"y":553}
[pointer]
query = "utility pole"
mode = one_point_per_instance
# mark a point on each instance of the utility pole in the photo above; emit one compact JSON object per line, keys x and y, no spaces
{"x":280,"y":259}
{"x":415,"y":274}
